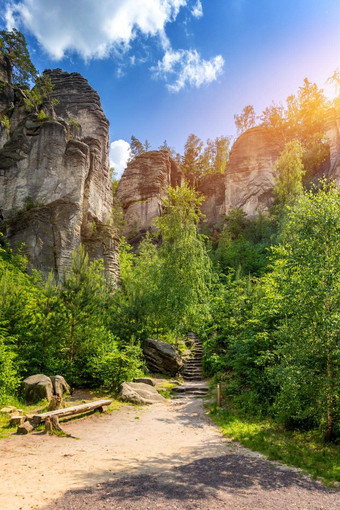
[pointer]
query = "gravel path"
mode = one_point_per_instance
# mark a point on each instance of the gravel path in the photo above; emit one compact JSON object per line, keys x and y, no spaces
{"x":157,"y":457}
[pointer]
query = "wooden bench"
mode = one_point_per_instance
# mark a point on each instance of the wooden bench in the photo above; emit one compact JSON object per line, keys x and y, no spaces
{"x":71,"y":411}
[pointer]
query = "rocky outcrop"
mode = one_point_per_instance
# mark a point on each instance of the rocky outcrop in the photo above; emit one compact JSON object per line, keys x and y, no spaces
{"x":212,"y":188}
{"x":39,"y":386}
{"x":143,"y":187}
{"x":247,"y":183}
{"x":140,"y":393}
{"x":55,"y":187}
{"x":36,"y":387}
{"x":249,"y":178}
{"x":161,"y":357}
{"x":333,"y":137}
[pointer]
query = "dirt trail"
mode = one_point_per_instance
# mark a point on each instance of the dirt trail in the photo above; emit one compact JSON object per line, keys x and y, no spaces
{"x":161,"y":456}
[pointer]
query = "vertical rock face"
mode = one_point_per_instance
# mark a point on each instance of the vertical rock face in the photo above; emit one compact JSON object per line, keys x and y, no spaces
{"x":333,"y":137}
{"x":143,"y":187}
{"x":212,"y":188}
{"x":55,"y":188}
{"x":249,"y":178}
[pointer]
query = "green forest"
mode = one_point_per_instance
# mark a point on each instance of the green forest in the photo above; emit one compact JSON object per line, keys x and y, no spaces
{"x":263,"y":294}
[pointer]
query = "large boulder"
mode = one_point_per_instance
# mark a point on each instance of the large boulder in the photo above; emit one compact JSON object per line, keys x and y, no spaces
{"x":36,"y":387}
{"x":60,"y":386}
{"x":161,"y":357}
{"x":140,"y":393}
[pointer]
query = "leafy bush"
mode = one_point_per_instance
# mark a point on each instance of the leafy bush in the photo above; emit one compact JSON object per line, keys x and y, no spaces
{"x":9,"y":380}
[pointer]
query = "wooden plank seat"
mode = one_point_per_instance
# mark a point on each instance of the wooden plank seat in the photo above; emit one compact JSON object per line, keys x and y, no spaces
{"x":71,"y":411}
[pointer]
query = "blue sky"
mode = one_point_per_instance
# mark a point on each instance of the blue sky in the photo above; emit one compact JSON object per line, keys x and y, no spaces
{"x":167,"y":68}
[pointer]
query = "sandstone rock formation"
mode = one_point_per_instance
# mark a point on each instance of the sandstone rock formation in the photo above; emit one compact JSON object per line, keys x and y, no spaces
{"x":36,"y":387}
{"x":212,"y":188}
{"x":142,"y":188}
{"x":39,"y":386}
{"x":161,"y":357}
{"x":55,"y":187}
{"x":249,"y":178}
{"x":139,"y":393}
{"x":247,"y":183}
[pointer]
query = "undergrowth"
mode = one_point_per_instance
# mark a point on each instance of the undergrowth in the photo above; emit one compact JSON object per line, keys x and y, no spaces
{"x":305,"y":450}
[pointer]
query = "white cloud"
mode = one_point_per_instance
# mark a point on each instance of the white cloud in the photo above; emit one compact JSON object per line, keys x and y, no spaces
{"x":103,"y":28}
{"x":91,"y":28}
{"x":186,"y":67}
{"x":197,"y":10}
{"x":120,"y":153}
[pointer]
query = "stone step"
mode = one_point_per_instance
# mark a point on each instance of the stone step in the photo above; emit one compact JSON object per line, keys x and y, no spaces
{"x":184,"y":388}
{"x":189,"y":395}
{"x":193,"y":392}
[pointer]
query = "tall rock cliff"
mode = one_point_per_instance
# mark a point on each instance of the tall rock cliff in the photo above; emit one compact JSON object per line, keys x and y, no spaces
{"x":143,"y":187}
{"x":249,"y":178}
{"x":55,"y":187}
{"x":247,"y":183}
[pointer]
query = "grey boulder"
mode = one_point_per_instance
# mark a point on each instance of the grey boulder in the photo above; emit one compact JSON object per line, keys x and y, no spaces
{"x":161,"y":357}
{"x":36,"y":387}
{"x":60,"y":386}
{"x":140,"y":393}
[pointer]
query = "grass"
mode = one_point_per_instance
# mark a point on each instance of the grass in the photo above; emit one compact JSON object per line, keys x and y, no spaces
{"x":304,"y":450}
{"x":164,"y":388}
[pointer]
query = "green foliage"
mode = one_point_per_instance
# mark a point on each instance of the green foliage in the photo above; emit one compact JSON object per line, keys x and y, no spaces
{"x":13,"y":46}
{"x":290,"y":170}
{"x":246,"y":119}
{"x":185,"y":273}
{"x":137,"y":147}
{"x":64,"y":327}
{"x":41,"y":95}
{"x":5,"y":120}
{"x":9,"y":379}
{"x":112,"y":364}
{"x":302,"y":119}
{"x":74,"y":123}
{"x":165,"y":288}
{"x":42,"y":117}
{"x":243,"y":244}
{"x":307,"y":275}
{"x":275,"y":339}
{"x":199,"y":160}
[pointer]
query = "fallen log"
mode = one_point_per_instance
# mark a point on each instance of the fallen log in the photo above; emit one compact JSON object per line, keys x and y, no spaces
{"x":71,"y":411}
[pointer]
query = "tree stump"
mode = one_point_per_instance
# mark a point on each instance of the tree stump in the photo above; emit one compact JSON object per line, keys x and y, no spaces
{"x":55,"y":403}
{"x":52,"y":424}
